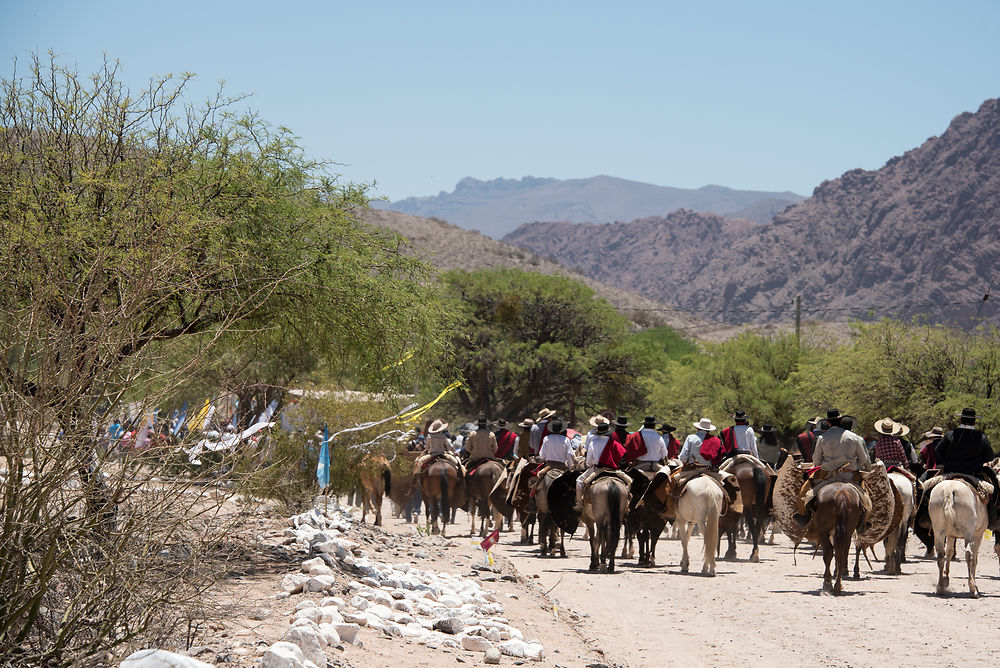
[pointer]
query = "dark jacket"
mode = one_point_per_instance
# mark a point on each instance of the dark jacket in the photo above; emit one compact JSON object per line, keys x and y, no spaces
{"x":964,"y":450}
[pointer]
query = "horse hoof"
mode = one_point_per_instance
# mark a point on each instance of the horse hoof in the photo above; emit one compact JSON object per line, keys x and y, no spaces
{"x":755,"y":558}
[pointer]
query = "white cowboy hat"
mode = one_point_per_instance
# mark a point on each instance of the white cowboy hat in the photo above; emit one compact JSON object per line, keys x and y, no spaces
{"x":888,"y":427}
{"x":437,"y":427}
{"x":526,"y":423}
{"x":705,"y":424}
{"x":545,"y":414}
{"x":598,"y":420}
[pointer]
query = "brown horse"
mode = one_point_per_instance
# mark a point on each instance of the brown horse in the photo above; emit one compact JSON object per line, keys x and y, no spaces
{"x":376,"y":482}
{"x":643,"y":523}
{"x":405,"y":498}
{"x":443,"y":489}
{"x":480,"y":483}
{"x":603,"y":514}
{"x":838,"y":510}
{"x":755,"y":487}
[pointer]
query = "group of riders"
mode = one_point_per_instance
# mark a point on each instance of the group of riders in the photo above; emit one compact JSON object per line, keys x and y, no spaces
{"x":829,"y":450}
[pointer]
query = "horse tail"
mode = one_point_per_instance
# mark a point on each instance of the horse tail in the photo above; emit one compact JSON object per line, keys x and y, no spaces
{"x":614,"y":513}
{"x":445,"y":505}
{"x":387,"y":478}
{"x":949,"y":509}
{"x":841,"y":534}
{"x":760,"y":499}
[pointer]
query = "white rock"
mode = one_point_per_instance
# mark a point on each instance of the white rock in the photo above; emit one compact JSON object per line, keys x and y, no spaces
{"x":359,"y":602}
{"x":308,"y":603}
{"x":312,"y":614}
{"x":331,"y":615}
{"x":347,"y":632}
{"x":310,"y":641}
{"x":309,"y":563}
{"x":371,"y":582}
{"x":302,"y":621}
{"x":493,"y":635}
{"x":282,"y":655}
{"x":403,"y":606}
{"x":161,"y":658}
{"x":414,"y":630}
{"x":334,"y":601}
{"x":450,"y":601}
{"x":393,"y":629}
{"x":475,"y":643}
{"x":378,"y":610}
{"x":522,"y":650}
{"x":329,"y":633}
{"x":359,"y":618}
{"x":293,"y":582}
{"x":319,"y":583}
{"x":403,"y":618}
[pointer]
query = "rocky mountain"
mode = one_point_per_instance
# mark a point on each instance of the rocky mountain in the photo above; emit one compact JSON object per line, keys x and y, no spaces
{"x":497,"y":207}
{"x":921,"y":235}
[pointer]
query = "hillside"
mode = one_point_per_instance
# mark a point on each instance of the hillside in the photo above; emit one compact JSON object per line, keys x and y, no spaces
{"x":919,"y":235}
{"x":497,"y":207}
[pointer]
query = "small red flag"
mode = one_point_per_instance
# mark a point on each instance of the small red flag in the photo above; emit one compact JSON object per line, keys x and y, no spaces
{"x":491,"y":540}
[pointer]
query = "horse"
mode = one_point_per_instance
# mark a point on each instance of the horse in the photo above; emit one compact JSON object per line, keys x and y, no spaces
{"x":376,"y":482}
{"x":895,"y":541}
{"x":404,"y":496}
{"x":643,"y":523}
{"x":603,"y":514}
{"x":956,"y":512}
{"x":479,"y":484}
{"x":700,"y":504}
{"x":838,"y":511}
{"x":443,"y":489}
{"x":554,"y":498}
{"x":755,"y":485}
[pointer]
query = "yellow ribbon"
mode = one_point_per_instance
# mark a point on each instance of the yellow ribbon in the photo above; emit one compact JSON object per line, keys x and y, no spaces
{"x":403,"y":359}
{"x":416,"y":413}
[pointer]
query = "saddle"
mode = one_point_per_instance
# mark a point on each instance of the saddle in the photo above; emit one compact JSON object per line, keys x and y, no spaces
{"x":983,"y":490}
{"x":471,"y":466}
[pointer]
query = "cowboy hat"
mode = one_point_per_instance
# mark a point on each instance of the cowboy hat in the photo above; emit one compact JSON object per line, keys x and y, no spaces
{"x":603,"y":428}
{"x":967,"y":414}
{"x":903,"y":429}
{"x":935,"y":432}
{"x":622,"y":421}
{"x":545,"y":414}
{"x":501,"y":422}
{"x":481,"y":421}
{"x":557,"y":427}
{"x":666,"y":428}
{"x":437,"y":427}
{"x":526,"y":423}
{"x":833,"y":414}
{"x":767,"y":429}
{"x":888,"y":427}
{"x":705,"y":424}
{"x":649,"y":422}
{"x":598,"y":420}
{"x":740,"y":415}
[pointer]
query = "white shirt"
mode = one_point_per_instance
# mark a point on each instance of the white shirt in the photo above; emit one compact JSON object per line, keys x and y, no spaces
{"x":691,"y":451}
{"x":596,"y":449}
{"x":557,"y":448}
{"x":656,"y":449}
{"x":535,"y":436}
{"x":746,"y":440}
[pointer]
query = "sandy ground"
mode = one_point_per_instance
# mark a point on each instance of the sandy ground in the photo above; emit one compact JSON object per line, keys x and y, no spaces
{"x":771,"y":611}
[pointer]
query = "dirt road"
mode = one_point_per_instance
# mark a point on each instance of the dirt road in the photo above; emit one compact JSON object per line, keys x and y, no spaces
{"x":771,"y":611}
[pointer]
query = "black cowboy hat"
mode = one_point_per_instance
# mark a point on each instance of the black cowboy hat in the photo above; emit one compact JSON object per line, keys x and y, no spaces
{"x":501,"y":422}
{"x":666,"y":428}
{"x":481,"y":422}
{"x":740,"y":415}
{"x":556,"y":426}
{"x":622,"y":421}
{"x":649,"y":422}
{"x":833,"y":414}
{"x":767,"y":429}
{"x":967,"y":414}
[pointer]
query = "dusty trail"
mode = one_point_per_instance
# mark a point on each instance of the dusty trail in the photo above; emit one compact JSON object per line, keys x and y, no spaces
{"x":772,"y":611}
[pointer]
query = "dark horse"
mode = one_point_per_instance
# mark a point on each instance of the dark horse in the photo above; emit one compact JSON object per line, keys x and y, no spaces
{"x":838,"y":509}
{"x":642,"y":523}
{"x":480,"y":483}
{"x":443,"y":489}
{"x":755,"y":486}
{"x":604,"y":514}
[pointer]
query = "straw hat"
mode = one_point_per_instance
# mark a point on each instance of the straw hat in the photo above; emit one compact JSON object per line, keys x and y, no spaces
{"x":936,"y":432}
{"x":888,"y":427}
{"x":526,"y":423}
{"x":598,"y":420}
{"x":705,"y":424}
{"x":545,"y":414}
{"x":437,"y":427}
{"x":903,"y":429}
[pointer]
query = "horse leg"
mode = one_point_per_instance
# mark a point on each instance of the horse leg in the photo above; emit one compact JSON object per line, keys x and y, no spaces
{"x":562,"y":547}
{"x":827,"y":558}
{"x":685,"y":530}
{"x":972,"y":560}
{"x":595,"y":547}
{"x":543,"y":527}
{"x":711,"y":533}
{"x":857,"y":559}
{"x":731,"y":537}
{"x":378,"y":510}
{"x":943,"y":559}
{"x":996,"y":545}
{"x":756,"y":523}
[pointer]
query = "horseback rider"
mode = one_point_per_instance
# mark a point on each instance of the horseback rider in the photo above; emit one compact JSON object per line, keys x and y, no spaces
{"x":888,"y":447}
{"x":767,"y":446}
{"x":557,"y":448}
{"x":655,"y":454}
{"x":927,"y":445}
{"x":740,"y":438}
{"x":506,"y":441}
{"x":524,"y":450}
{"x":967,"y":450}
{"x":605,"y":453}
{"x":701,"y":454}
{"x":673,"y":445}
{"x":838,"y":456}
{"x":438,"y":446}
{"x":540,"y":429}
{"x":806,"y":441}
{"x":481,"y":444}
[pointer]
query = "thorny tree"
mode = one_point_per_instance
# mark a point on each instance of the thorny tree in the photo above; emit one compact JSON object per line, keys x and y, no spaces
{"x":139,"y":235}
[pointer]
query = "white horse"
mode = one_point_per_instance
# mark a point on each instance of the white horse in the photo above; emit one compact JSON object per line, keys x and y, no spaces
{"x":701,"y":505}
{"x":895,"y":542}
{"x":956,"y":512}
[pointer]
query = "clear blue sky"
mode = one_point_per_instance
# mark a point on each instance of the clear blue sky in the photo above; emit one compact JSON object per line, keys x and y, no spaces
{"x":416,"y":95}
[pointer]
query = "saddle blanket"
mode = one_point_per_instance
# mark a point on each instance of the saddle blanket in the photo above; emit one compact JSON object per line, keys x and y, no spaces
{"x":983,"y":489}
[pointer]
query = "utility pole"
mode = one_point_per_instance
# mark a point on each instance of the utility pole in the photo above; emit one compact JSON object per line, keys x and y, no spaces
{"x":798,"y":318}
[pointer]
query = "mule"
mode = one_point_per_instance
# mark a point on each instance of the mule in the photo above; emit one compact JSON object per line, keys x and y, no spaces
{"x":700,"y":504}
{"x":443,"y":489}
{"x":838,"y":511}
{"x":479,"y":486}
{"x":603,"y":514}
{"x":755,"y":487}
{"x":376,"y":482}
{"x":956,"y":512}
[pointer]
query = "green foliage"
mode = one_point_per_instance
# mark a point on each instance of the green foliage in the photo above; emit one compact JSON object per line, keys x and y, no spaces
{"x":523,"y":340}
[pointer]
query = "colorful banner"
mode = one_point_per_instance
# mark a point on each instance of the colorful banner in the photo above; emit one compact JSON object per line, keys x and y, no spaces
{"x":323,"y":465}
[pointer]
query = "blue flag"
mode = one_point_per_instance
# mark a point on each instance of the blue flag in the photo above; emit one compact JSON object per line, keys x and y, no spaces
{"x":323,"y":466}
